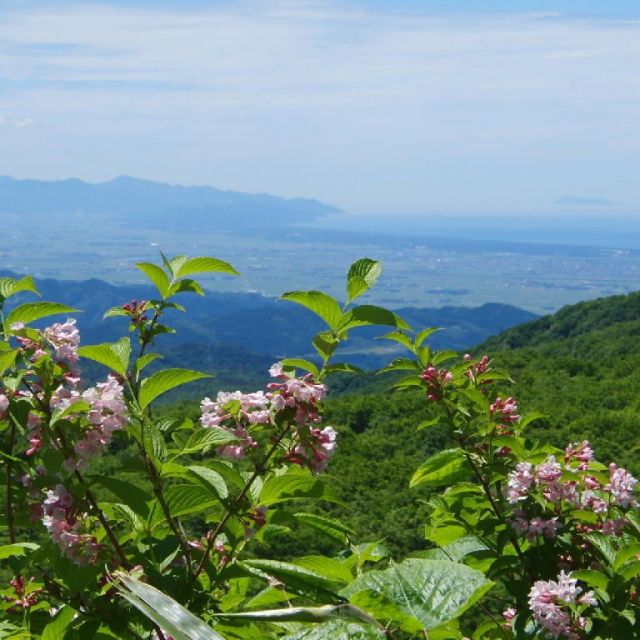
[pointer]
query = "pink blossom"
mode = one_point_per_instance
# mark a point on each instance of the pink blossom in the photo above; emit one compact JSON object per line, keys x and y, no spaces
{"x":65,"y":339}
{"x":505,"y":410}
{"x":621,"y":486}
{"x":436,"y":380}
{"x":580,"y":452}
{"x":519,"y":482}
{"x":315,"y":449}
{"x":549,"y":471}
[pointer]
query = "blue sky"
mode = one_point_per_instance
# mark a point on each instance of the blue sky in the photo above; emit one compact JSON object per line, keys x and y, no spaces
{"x":405,"y":107}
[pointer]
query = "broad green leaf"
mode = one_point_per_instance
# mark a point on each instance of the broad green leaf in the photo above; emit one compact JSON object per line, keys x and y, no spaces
{"x":203,"y":265}
{"x":325,"y":344}
{"x":145,"y":360}
{"x":163,"y":610}
{"x":184,"y":499}
{"x":330,"y":568}
{"x":401,"y":364}
{"x":7,"y":359}
{"x":320,"y":303}
{"x":296,"y":579}
{"x":32,"y":311}
{"x":337,"y":630}
{"x":330,"y":526}
{"x":296,"y":483}
{"x":113,"y":355}
{"x":17,"y":549}
{"x":442,"y":469}
{"x":114,"y":312}
{"x":164,"y":381}
{"x":300,"y":363}
{"x":418,"y":594}
{"x":185,"y":286}
{"x":401,"y":338}
{"x":593,"y":578}
{"x":211,"y":479}
{"x":157,"y":276}
{"x":343,"y":367}
{"x":424,"y":334}
{"x":368,"y":314}
{"x":55,"y":630}
{"x":10,"y":286}
{"x":205,"y":438}
{"x":76,"y":407}
{"x":356,"y":286}
{"x":132,"y":495}
{"x":367,"y":269}
{"x":456,"y":551}
{"x":427,"y":424}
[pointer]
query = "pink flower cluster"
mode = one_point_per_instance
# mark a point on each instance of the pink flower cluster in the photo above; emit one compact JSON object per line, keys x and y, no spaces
{"x":65,"y":339}
{"x":25,"y":595}
{"x":551,"y":601}
{"x":289,"y":399}
{"x":478,"y":368}
{"x":436,"y":380}
{"x":60,"y":518}
{"x":506,"y":412}
{"x":108,"y":413}
{"x":580,"y":489}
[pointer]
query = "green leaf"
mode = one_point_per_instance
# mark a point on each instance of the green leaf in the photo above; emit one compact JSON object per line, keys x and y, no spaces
{"x":442,"y":469}
{"x":145,"y":360}
{"x":401,"y":364}
{"x":296,"y":483}
{"x":418,"y":594}
{"x":330,"y":526}
{"x":343,"y":367}
{"x":202,"y":265}
{"x":427,"y":424}
{"x":368,"y":314}
{"x":10,"y":286}
{"x":130,"y":494}
{"x":113,"y":355}
{"x":592,"y":577}
{"x":32,"y":311}
{"x":157,"y":276}
{"x":205,"y":438}
{"x":424,"y":334}
{"x":163,"y":610}
{"x":184,"y":499}
{"x":300,"y":363}
{"x":55,"y":630}
{"x":337,"y":630}
{"x":7,"y":359}
{"x":164,"y":381}
{"x":401,"y":338}
{"x":325,"y":344}
{"x":185,"y":286}
{"x":320,"y":303}
{"x":211,"y":479}
{"x":17,"y":549}
{"x":361,"y":277}
{"x":296,"y":579}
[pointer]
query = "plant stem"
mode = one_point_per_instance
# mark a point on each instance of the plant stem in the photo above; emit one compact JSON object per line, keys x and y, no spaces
{"x":9,"y":490}
{"x":221,"y":525}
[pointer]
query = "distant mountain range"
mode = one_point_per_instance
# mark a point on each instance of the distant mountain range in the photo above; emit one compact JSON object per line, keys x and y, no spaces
{"x":269,"y":328}
{"x":144,"y":201}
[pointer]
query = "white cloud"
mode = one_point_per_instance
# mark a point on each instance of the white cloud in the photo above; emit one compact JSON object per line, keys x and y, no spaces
{"x":317,"y":98}
{"x":24,"y":123}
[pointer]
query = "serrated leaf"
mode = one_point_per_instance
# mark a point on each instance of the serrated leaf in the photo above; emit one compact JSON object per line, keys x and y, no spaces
{"x":163,"y":610}
{"x":185,"y":286}
{"x":300,"y":363}
{"x":10,"y":286}
{"x":320,"y":303}
{"x":210,"y":478}
{"x":296,"y":579}
{"x":184,"y":499}
{"x":145,"y":360}
{"x":17,"y":549}
{"x":343,"y":367}
{"x":55,"y":630}
{"x":163,"y":381}
{"x":131,"y":495}
{"x":401,"y":364}
{"x":205,"y":438}
{"x":202,"y":264}
{"x":113,"y":355}
{"x":7,"y":359}
{"x":114,"y":312}
{"x":593,"y":578}
{"x":362,"y":276}
{"x":32,"y":311}
{"x":424,"y":334}
{"x":337,"y":630}
{"x":442,"y":469}
{"x":157,"y":276}
{"x":401,"y":338}
{"x":329,"y":526}
{"x":296,"y":483}
{"x":418,"y":594}
{"x":325,"y":344}
{"x":367,"y":315}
